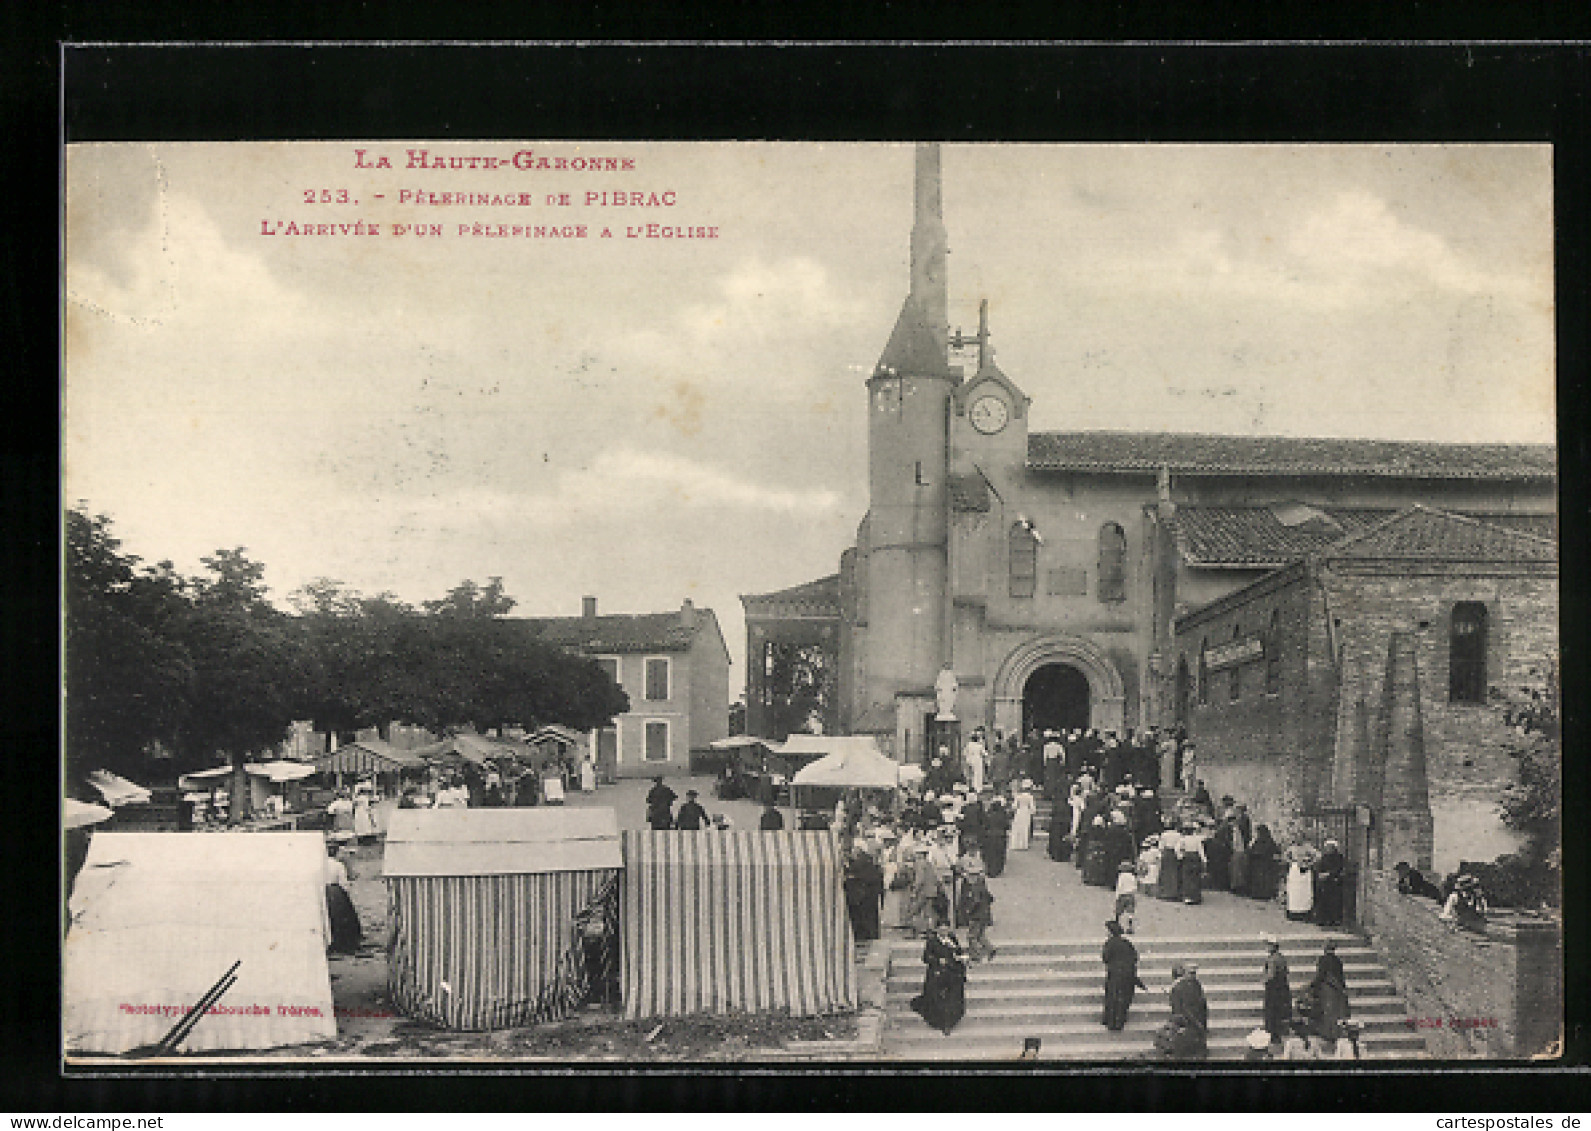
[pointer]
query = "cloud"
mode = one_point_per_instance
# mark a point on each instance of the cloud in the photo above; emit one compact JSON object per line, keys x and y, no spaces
{"x":1359,"y":237}
{"x":625,"y":479}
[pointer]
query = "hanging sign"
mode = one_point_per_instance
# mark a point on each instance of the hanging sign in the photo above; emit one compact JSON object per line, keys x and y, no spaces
{"x":1237,"y":652}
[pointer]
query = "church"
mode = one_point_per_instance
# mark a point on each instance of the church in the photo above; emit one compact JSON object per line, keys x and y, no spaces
{"x":1036,"y":579}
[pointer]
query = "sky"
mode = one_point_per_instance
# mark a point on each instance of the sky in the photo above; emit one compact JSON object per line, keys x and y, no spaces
{"x":647,"y":419}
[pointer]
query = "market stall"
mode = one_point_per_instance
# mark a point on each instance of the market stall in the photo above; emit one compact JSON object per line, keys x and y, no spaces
{"x":156,"y":920}
{"x":728,"y":921}
{"x":489,"y":907}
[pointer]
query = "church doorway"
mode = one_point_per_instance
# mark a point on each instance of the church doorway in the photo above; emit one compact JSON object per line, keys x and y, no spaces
{"x":1055,"y":698}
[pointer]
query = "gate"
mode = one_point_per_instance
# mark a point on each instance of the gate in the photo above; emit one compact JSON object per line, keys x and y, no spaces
{"x":1349,"y":828}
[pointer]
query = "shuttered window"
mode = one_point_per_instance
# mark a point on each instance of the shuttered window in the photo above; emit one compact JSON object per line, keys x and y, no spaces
{"x":1112,"y":563}
{"x":1024,"y":561}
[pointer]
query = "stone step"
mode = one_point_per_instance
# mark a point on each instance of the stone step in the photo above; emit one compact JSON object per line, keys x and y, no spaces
{"x":1143,"y":1022}
{"x":1243,"y":1013}
{"x":1299,"y":945}
{"x":1017,"y":991}
{"x":1126,"y":1046}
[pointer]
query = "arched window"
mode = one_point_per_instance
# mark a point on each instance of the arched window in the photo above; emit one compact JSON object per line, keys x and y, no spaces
{"x":1204,"y":672}
{"x":1234,"y":686}
{"x":1112,"y":563}
{"x":1273,"y":654}
{"x":1466,"y":653}
{"x":1024,"y":560}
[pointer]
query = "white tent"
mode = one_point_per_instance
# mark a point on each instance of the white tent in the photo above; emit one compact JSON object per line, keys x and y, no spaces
{"x":855,"y":762}
{"x":158,"y":918}
{"x":77,"y":814}
{"x":117,"y":790}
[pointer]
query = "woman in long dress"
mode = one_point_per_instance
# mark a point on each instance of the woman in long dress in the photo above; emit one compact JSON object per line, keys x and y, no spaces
{"x":1022,"y":816}
{"x":1328,"y":885}
{"x":920,"y":913}
{"x":1262,"y":856}
{"x":1300,"y":883}
{"x":864,"y":894}
{"x":1278,"y":992}
{"x":364,"y":818}
{"x":1329,"y":992}
{"x":1121,"y":976}
{"x":943,"y":1000}
{"x":1191,"y":867}
{"x":1170,"y":887}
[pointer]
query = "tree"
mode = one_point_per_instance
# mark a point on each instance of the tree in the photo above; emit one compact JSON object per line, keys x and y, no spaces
{"x":128,"y":680}
{"x":1533,"y":806}
{"x":248,"y":662}
{"x":468,"y":600}
{"x":799,"y":686}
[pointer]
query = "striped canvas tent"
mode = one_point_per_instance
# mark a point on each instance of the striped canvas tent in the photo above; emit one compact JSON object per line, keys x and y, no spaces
{"x":721,"y":921}
{"x":486,"y":906}
{"x":368,"y":756}
{"x":158,"y":918}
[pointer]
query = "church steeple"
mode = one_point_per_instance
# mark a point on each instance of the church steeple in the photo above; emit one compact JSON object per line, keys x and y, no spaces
{"x":919,"y":343}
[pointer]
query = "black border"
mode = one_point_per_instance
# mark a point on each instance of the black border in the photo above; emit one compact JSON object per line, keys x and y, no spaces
{"x":1149,"y":92}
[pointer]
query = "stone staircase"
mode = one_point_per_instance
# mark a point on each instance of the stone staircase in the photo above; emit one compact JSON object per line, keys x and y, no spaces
{"x":1054,"y":990}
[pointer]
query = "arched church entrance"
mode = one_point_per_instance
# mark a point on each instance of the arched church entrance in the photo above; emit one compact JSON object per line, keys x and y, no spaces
{"x":1055,"y":698}
{"x":1065,"y":678}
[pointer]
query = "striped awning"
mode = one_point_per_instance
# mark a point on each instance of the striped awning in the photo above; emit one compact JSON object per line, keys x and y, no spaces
{"x":492,"y":951}
{"x":721,"y":921}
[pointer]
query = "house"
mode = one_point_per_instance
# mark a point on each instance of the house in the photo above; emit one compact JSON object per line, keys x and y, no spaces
{"x":675,"y":668}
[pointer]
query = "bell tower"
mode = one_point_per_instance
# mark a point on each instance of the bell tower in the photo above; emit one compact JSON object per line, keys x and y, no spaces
{"x":908,"y":468}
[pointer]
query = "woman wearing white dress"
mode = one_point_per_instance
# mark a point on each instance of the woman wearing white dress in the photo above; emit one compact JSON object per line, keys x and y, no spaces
{"x":1300,"y":882}
{"x":1023,"y":807}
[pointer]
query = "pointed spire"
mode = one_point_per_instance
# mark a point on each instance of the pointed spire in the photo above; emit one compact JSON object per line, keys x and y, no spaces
{"x":920,"y":341}
{"x":930,"y":248}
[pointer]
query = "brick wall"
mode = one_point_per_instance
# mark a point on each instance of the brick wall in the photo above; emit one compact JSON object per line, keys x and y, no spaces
{"x":1467,"y":763}
{"x":1509,"y":979}
{"x":1271,"y":749}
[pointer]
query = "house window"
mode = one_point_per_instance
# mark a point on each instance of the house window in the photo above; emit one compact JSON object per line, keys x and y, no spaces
{"x":1024,"y":561}
{"x":657,"y":677}
{"x":1234,"y":687}
{"x":610,"y":668}
{"x":1204,"y":673}
{"x":1273,"y":654}
{"x":1112,"y":563}
{"x":1466,"y":662}
{"x":656,"y":748}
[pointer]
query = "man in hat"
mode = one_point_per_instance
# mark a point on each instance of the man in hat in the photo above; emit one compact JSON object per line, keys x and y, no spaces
{"x":660,"y":805}
{"x":772,"y":820}
{"x":1121,"y":976}
{"x":692,"y":817}
{"x":1278,"y":1008}
{"x":1467,"y":905}
{"x":993,"y":838}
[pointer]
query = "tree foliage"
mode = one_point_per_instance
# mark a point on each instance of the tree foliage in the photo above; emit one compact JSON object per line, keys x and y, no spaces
{"x":799,"y":686}
{"x":209,"y":668}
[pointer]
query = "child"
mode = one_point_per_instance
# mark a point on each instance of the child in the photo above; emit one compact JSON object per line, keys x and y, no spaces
{"x":1126,"y":894}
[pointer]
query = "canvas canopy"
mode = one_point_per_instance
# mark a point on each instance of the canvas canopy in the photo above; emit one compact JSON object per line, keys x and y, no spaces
{"x":720,"y":921}
{"x":157,"y":918}
{"x":117,"y":790}
{"x":855,"y":765}
{"x":276,"y":772}
{"x":368,"y":756}
{"x":77,"y":814}
{"x":487,"y":908}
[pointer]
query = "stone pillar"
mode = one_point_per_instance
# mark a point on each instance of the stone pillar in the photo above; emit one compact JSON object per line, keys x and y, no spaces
{"x":1406,"y":824}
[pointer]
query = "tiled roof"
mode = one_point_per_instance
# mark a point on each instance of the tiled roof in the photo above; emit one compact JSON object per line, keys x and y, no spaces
{"x":969,"y":493}
{"x":1258,"y":536}
{"x":1424,"y":534}
{"x":822,"y":595}
{"x":638,"y":632}
{"x":1197,"y":454}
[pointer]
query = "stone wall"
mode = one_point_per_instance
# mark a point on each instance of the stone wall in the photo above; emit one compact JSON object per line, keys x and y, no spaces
{"x":1497,"y":996}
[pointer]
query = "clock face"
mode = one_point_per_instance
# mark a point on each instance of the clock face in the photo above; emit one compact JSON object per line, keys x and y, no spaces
{"x":989,"y":415}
